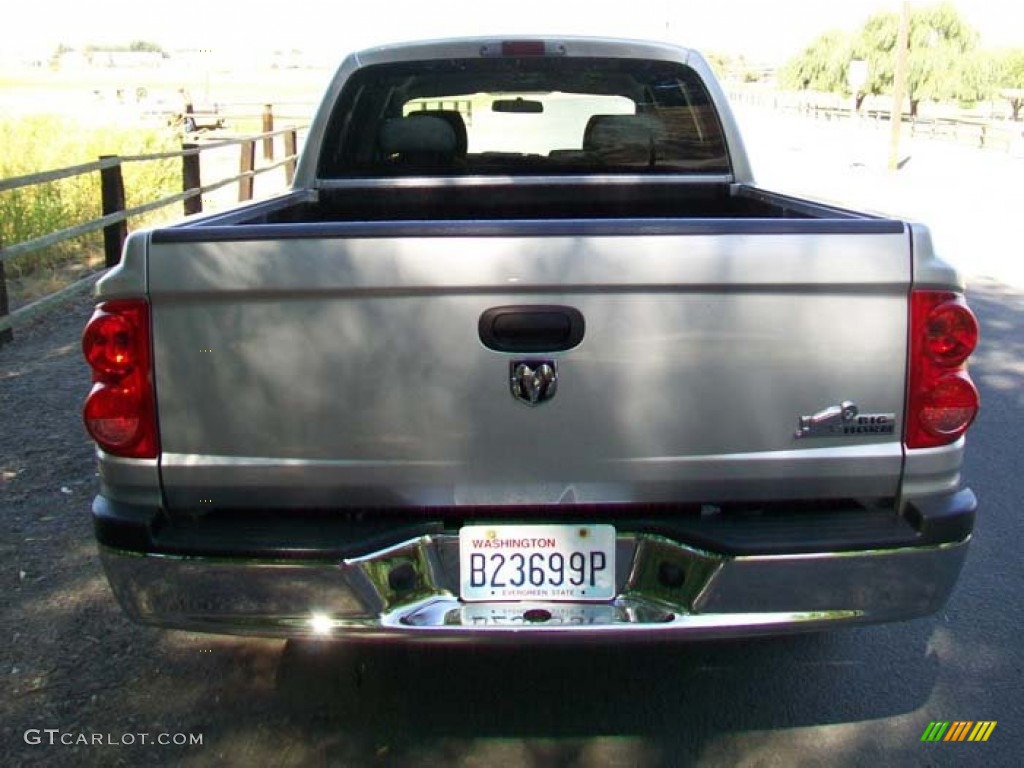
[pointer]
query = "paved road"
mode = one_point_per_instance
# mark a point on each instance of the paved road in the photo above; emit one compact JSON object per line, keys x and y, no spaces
{"x":970,"y":198}
{"x":859,"y":697}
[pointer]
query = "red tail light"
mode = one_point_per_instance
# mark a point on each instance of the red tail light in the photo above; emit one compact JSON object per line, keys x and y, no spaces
{"x":120,"y":412}
{"x":942,"y":400}
{"x":951,"y":331}
{"x":523,"y":48}
{"x":107,"y":343}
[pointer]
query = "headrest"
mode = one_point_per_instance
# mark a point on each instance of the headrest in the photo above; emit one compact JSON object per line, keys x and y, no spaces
{"x":608,"y":132}
{"x":417,"y":136}
{"x":455,"y":120}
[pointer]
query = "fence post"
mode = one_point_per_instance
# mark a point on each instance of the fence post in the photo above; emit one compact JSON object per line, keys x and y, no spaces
{"x":268,"y":126}
{"x":245,"y":166}
{"x":6,"y":335}
{"x":291,"y":145}
{"x":112,"y":197}
{"x":191,"y":179}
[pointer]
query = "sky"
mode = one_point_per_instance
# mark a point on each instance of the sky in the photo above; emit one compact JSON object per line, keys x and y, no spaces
{"x":762,"y":30}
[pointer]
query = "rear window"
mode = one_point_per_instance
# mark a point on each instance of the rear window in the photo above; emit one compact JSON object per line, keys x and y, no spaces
{"x":530,"y":115}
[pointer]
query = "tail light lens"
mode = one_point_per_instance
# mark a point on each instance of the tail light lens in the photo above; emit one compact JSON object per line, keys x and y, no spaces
{"x":120,"y":412}
{"x":951,"y":332}
{"x":107,"y":343}
{"x":942,"y":400}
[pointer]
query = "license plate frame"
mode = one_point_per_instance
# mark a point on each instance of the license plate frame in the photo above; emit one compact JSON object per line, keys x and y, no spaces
{"x":537,"y":562}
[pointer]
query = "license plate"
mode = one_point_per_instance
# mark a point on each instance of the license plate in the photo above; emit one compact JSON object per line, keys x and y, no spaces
{"x":537,"y":562}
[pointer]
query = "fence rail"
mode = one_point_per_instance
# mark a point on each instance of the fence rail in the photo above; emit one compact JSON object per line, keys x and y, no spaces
{"x":115,"y":214}
{"x":995,"y":134}
{"x":974,"y":133}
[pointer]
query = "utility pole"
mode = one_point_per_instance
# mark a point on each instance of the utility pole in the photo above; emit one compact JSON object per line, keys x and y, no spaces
{"x":899,"y":86}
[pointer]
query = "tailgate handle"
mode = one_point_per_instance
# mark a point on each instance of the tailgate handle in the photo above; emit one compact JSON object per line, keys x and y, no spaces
{"x":531,"y":328}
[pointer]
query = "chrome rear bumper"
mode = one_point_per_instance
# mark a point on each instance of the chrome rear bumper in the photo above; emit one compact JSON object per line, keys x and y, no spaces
{"x":410,"y":592}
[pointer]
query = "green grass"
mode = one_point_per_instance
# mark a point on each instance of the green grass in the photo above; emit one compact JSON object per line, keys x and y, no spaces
{"x":41,"y":143}
{"x":92,"y":123}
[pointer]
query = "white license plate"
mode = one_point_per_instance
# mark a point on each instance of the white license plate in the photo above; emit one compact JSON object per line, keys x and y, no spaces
{"x":537,"y":562}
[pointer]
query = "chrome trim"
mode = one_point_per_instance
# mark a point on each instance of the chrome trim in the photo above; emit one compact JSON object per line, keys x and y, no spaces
{"x":409,"y":592}
{"x":377,"y":182}
{"x":533,"y":381}
{"x":845,"y":419}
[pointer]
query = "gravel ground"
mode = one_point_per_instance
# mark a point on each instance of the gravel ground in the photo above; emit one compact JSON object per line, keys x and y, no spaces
{"x":71,"y":660}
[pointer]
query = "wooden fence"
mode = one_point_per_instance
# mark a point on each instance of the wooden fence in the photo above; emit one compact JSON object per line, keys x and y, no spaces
{"x":972,"y":133}
{"x":1000,"y":135}
{"x":114,"y":219}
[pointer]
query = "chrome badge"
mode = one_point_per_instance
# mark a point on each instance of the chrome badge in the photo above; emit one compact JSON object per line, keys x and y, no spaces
{"x":534,"y":381}
{"x":846,"y":420}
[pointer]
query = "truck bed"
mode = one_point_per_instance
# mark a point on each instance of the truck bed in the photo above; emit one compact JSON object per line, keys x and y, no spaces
{"x":480,"y":200}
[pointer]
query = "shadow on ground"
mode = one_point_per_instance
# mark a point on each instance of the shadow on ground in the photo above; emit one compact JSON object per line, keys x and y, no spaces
{"x":667,"y":700}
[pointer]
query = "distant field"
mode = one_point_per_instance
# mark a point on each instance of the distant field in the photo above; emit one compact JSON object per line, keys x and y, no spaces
{"x":112,"y":94}
{"x":51,"y":120}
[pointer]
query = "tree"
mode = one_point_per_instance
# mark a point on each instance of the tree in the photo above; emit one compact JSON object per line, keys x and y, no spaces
{"x":822,"y":66}
{"x":728,"y":67}
{"x":720,"y":63}
{"x":1009,"y":78}
{"x":941,"y":61}
{"x":145,"y":46}
{"x":136,"y":46}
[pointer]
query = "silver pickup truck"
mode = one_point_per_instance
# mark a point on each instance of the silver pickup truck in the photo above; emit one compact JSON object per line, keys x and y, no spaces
{"x":526,"y":353}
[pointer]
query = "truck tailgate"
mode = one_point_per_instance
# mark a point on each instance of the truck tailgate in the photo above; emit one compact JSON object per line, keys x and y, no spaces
{"x":346,"y":369}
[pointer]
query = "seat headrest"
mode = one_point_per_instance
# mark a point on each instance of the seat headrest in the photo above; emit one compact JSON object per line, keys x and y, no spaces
{"x":423,"y":135}
{"x":455,"y":120}
{"x":620,"y":131}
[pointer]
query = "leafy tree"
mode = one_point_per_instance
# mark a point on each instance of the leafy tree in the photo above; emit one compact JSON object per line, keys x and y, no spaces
{"x":1009,"y":78}
{"x":136,"y":46}
{"x":145,"y":46}
{"x":720,"y":63}
{"x":822,"y":66}
{"x":941,"y":60}
{"x":729,"y":67}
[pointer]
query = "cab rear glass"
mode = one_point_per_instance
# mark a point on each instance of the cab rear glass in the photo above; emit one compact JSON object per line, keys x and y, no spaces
{"x":528,"y":115}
